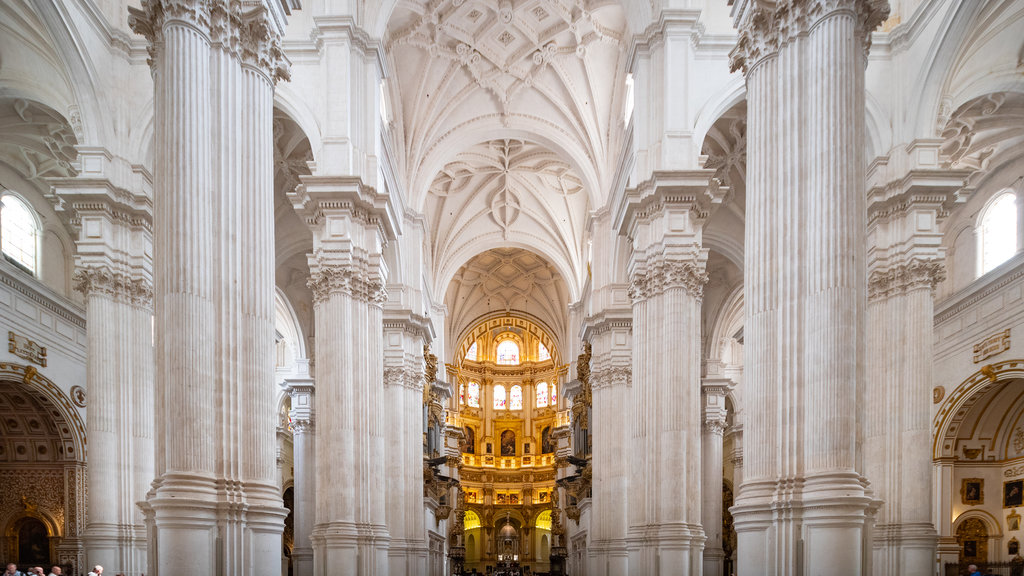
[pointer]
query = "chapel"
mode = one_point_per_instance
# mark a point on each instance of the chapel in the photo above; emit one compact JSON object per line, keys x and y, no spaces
{"x":512,"y":287}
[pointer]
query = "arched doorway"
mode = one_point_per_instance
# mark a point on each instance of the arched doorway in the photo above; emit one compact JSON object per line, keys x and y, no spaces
{"x":42,"y":471}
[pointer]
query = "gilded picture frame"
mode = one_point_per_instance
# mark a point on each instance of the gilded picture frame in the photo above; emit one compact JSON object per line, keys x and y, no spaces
{"x":1013,"y":493}
{"x":972,"y":491}
{"x":1013,"y":522}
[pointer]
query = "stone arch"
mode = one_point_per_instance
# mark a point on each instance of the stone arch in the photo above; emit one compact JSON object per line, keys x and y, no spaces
{"x":955,"y":407}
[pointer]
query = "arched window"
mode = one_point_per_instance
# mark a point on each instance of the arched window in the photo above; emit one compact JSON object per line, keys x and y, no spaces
{"x":554,"y":395}
{"x":997,"y":237}
{"x":542,"y":353}
{"x":508,"y":352}
{"x":515,"y":398}
{"x":471,"y":353}
{"x":462,"y":393}
{"x":542,"y":395}
{"x":474,"y":395}
{"x":499,"y":397}
{"x":18,"y":232}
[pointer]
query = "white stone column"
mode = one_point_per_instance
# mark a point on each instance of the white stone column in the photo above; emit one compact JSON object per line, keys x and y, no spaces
{"x":664,"y":217}
{"x":303,"y":415}
{"x":804,"y":506}
{"x":114,"y":273}
{"x":713,"y":393}
{"x":905,"y":261}
{"x":350,"y":224}
{"x":215,"y":502}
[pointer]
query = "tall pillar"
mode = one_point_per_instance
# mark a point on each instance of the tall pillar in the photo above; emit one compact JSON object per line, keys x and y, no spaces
{"x":303,"y":415}
{"x":351,"y":223}
{"x":664,"y":218}
{"x":803,"y":506}
{"x":405,"y":355}
{"x":215,"y":503}
{"x":713,"y":393}
{"x":114,"y":272}
{"x":905,"y":263}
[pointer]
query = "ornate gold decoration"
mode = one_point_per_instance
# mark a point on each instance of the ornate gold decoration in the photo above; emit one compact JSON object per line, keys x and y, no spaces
{"x":989,"y":372}
{"x":582,"y":401}
{"x":30,"y":373}
{"x":971,"y":453}
{"x":972,"y":537}
{"x":994,"y":344}
{"x":78,"y":396}
{"x":27,"y":349}
{"x":1013,"y":522}
{"x":938,"y":393}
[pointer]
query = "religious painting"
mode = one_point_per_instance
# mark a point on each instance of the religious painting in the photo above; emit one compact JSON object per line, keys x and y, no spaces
{"x":972,"y":491}
{"x":1013,"y":547}
{"x":490,"y":448}
{"x":970,"y":549}
{"x":508,"y":443}
{"x":513,"y":498}
{"x":1013,"y":522}
{"x":526,"y":448}
{"x":500,"y":498}
{"x":470,"y":441}
{"x":1013,"y":493}
{"x":546,"y":447}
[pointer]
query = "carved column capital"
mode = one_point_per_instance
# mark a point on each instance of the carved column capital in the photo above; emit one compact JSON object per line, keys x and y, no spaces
{"x":122,"y":287}
{"x":666,"y":275}
{"x":327,"y":280}
{"x":149,"y":20}
{"x":716,"y":427}
{"x":260,"y":47}
{"x":765,"y":28}
{"x":904,"y":277}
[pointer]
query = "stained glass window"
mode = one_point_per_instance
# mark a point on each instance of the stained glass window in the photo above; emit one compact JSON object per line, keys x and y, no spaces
{"x":18,"y":232}
{"x":508,"y":352}
{"x":499,"y":397}
{"x":554,"y":397}
{"x":542,"y":395}
{"x":542,"y":353}
{"x":515,"y":398}
{"x":474,"y":395}
{"x":462,"y":393}
{"x":998,"y":232}
{"x":471,"y":353}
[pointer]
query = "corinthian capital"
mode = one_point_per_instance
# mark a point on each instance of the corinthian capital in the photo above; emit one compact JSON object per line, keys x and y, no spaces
{"x":101,"y":280}
{"x":260,"y":47}
{"x":765,"y":27}
{"x":688,"y":275}
{"x":906,"y":277}
{"x":149,"y":21}
{"x":351,"y":280}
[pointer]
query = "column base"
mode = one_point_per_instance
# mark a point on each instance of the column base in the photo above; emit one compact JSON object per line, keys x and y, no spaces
{"x":184,"y":512}
{"x":347,"y":548}
{"x":714,"y":561}
{"x":407,"y":557}
{"x":666,"y":549}
{"x":302,"y":561}
{"x":813,"y":525}
{"x":904,"y":549}
{"x":119,"y":548}
{"x":607,"y":558}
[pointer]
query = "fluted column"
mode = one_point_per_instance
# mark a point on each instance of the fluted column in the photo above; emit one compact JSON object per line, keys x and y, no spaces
{"x":713,"y":393}
{"x":804,"y":506}
{"x":215,"y":502}
{"x":664,"y":218}
{"x":350,"y":224}
{"x":110,"y":209}
{"x":303,"y":417}
{"x":905,"y":265}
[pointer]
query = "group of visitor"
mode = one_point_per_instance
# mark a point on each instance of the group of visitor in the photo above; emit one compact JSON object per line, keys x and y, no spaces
{"x":12,"y":570}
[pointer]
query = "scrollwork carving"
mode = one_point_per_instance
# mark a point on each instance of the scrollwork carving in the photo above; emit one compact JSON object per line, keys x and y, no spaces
{"x":687,"y":274}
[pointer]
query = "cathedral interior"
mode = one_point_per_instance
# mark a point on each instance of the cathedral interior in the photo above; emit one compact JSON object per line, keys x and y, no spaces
{"x":512,"y":287}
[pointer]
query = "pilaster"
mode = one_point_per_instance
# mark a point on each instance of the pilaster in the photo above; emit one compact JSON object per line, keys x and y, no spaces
{"x":114,"y":271}
{"x":663,"y":218}
{"x":713,"y":392}
{"x":351,"y":224}
{"x":905,"y":263}
{"x":303,"y":414}
{"x":803,"y":506}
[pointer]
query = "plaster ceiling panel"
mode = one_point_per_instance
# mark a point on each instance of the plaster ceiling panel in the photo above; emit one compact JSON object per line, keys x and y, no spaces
{"x":552,"y":68}
{"x":36,"y":141}
{"x":507,"y":280}
{"x":508,"y":192}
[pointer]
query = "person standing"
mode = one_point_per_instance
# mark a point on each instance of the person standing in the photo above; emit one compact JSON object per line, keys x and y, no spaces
{"x":972,"y":570}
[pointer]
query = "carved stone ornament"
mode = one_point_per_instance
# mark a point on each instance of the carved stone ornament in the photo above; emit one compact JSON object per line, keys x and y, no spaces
{"x":938,"y":393}
{"x":716,"y":427}
{"x":765,"y":27}
{"x":991,"y":346}
{"x":329,"y":280}
{"x":26,"y":349}
{"x":666,"y":275}
{"x":78,"y":396}
{"x":905,"y":277}
{"x":102,"y":281}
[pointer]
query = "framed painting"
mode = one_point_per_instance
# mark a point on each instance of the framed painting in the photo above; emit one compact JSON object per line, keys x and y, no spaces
{"x":1013,"y":493}
{"x":972,"y":491}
